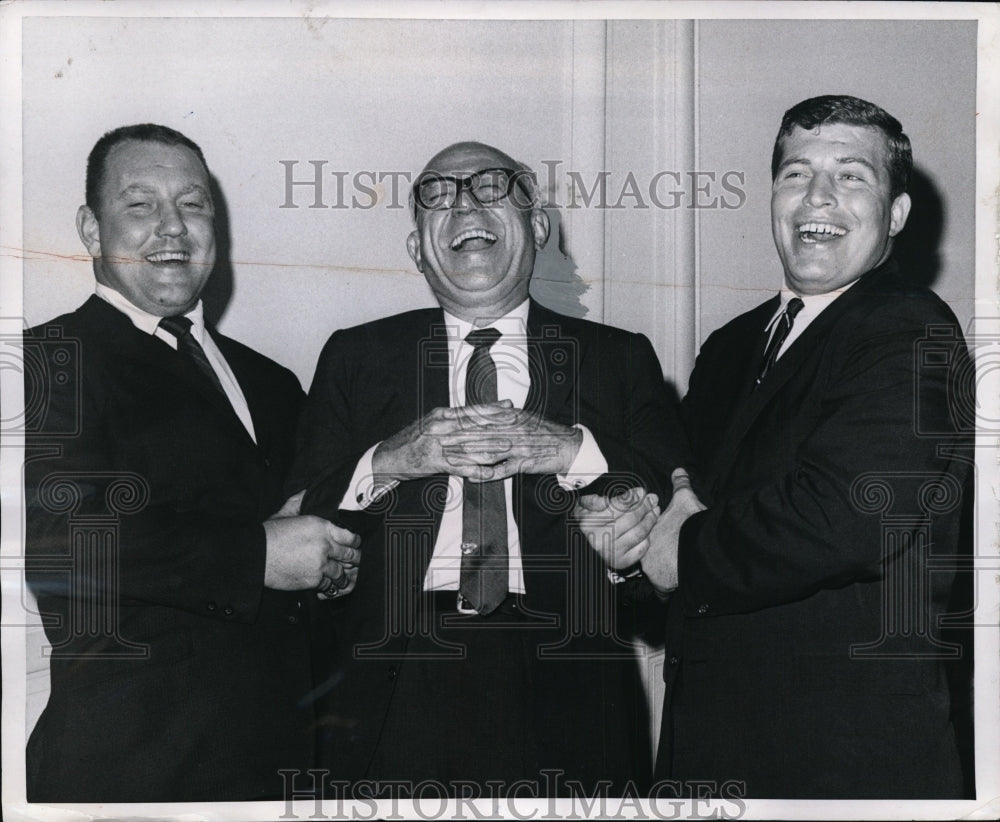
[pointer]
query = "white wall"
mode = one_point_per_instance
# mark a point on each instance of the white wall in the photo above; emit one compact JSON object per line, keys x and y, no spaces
{"x":384,"y":95}
{"x":378,"y":96}
{"x":751,"y":71}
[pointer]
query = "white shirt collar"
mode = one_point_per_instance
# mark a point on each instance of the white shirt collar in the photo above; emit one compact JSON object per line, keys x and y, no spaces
{"x":812,"y":304}
{"x":143,"y":320}
{"x":513,"y":325}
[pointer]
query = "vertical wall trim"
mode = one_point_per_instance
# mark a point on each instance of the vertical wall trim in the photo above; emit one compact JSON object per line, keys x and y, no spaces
{"x":650,"y":248}
{"x":686,"y":223}
{"x":585,"y":227}
{"x":696,"y":122}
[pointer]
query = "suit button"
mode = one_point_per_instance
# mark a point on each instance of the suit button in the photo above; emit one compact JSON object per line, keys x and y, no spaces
{"x":293,"y":620}
{"x":211,"y":606}
{"x":674,"y":660}
{"x":393,"y":673}
{"x":702,"y":609}
{"x":227,"y":611}
{"x":267,"y":462}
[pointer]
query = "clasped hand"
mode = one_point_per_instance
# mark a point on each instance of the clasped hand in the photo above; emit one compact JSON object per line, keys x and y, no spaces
{"x":628,"y":528}
{"x":306,"y":552}
{"x":479,"y":443}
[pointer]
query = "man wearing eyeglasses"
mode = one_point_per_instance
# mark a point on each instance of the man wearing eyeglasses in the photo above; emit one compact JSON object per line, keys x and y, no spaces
{"x":480,"y":649}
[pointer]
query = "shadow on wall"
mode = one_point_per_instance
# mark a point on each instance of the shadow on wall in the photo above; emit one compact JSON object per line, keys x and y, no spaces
{"x":555,"y":283}
{"x":917,"y":246}
{"x":219,"y":289}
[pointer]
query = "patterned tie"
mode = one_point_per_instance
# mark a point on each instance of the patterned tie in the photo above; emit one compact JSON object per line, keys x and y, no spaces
{"x":780,"y":335}
{"x":180,"y":327}
{"x":484,"y":512}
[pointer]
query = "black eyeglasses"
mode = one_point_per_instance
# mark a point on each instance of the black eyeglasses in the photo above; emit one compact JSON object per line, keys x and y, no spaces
{"x":437,"y":192}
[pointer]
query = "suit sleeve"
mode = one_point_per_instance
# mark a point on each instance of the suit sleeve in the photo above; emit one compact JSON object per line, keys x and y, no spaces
{"x":812,"y":526}
{"x":172,"y":540}
{"x":643,"y":440}
{"x":327,"y":452}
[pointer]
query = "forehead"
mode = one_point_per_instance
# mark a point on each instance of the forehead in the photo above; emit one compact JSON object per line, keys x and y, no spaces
{"x":836,"y":141}
{"x":464,"y":159}
{"x":135,"y":161}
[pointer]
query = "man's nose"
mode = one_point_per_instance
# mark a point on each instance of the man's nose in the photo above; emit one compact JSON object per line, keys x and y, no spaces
{"x":821,"y":191}
{"x":171,"y":222}
{"x":465,"y":200}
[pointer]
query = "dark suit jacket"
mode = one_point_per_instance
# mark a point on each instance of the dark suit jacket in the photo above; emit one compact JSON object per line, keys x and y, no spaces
{"x":375,"y":379}
{"x":804,"y":654}
{"x":175,"y":674}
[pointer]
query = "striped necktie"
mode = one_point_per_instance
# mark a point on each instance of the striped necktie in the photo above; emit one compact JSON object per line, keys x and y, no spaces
{"x":483,"y":579}
{"x":778,"y":337}
{"x":180,"y":327}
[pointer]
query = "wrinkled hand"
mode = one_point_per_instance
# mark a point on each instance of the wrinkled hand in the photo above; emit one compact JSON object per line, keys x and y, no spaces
{"x":333,"y":588}
{"x":526,"y":444}
{"x":478,"y":443}
{"x":431,"y":444}
{"x":307,"y":552}
{"x":618,"y":528}
{"x":660,"y":562}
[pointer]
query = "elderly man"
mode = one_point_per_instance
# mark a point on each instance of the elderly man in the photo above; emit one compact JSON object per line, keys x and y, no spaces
{"x":804,"y":653}
{"x":481,"y":644}
{"x":172,"y":586}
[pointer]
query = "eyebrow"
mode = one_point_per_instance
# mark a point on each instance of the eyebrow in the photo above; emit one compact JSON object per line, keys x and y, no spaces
{"x":138,"y":188}
{"x":860,"y":161}
{"x":839,"y":160}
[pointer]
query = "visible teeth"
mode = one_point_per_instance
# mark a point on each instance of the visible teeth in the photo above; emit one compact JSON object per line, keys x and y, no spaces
{"x":169,"y":257}
{"x":821,"y":228}
{"x":473,"y":234}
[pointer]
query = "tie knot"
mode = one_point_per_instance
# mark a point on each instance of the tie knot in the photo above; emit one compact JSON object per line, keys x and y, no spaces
{"x":483,"y":337}
{"x":178,"y":326}
{"x":794,"y":307}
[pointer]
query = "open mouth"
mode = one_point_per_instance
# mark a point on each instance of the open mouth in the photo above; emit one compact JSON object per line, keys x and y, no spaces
{"x":176,"y":257}
{"x":819,"y":232}
{"x":475,"y":239}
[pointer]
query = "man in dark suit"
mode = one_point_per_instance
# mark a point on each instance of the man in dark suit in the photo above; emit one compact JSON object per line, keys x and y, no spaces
{"x":172,"y":587}
{"x":830,"y":435}
{"x":481,"y":645}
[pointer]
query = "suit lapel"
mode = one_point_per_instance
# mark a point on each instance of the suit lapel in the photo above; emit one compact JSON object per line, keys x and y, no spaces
{"x":425,"y":377}
{"x":138,"y":355}
{"x":553,"y":365}
{"x":432,"y":368}
{"x":255,"y":393}
{"x":805,"y":347}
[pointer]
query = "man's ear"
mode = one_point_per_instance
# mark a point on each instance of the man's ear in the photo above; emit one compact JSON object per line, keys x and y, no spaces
{"x":539,"y":227}
{"x":89,"y":230}
{"x":413,"y":249}
{"x":898,"y":213}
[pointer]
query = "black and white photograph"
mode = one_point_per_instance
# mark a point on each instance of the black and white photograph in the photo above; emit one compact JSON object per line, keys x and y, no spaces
{"x":500,"y":410}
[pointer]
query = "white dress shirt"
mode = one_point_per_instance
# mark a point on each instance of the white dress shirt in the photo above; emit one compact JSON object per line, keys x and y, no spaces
{"x":812,"y":306}
{"x":150,"y":324}
{"x":510,"y":354}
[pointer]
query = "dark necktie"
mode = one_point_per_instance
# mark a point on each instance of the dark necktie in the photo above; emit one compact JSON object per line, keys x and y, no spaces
{"x":180,"y":327}
{"x":484,"y":512}
{"x":778,"y":337}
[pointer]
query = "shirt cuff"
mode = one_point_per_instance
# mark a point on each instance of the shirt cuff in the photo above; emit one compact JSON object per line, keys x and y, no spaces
{"x":588,"y":465}
{"x":620,"y":576}
{"x":362,"y":490}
